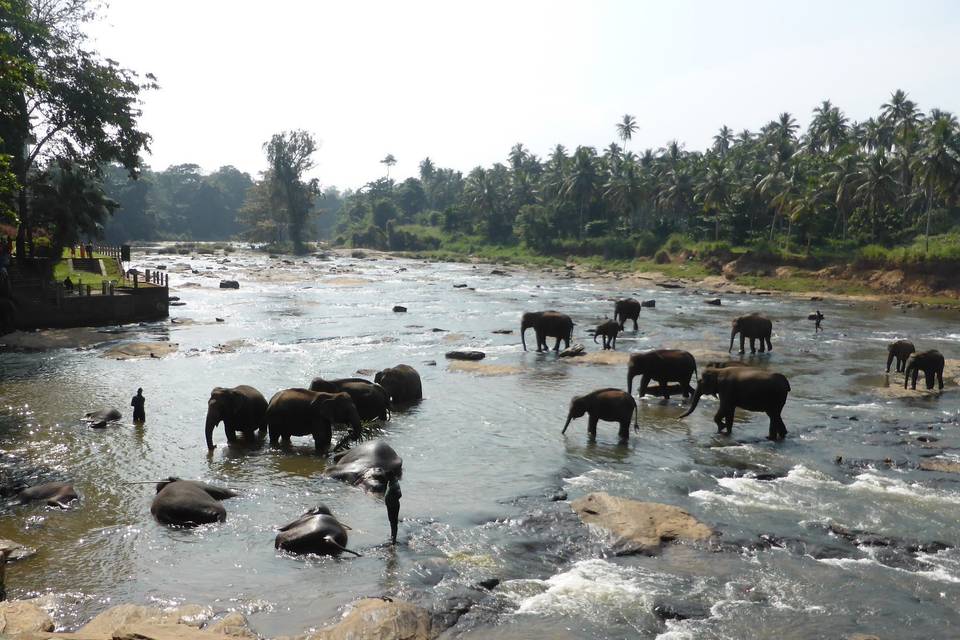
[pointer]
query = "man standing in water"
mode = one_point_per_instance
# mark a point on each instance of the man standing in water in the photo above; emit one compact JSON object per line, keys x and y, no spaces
{"x":392,"y":499}
{"x":137,"y":402}
{"x":817,"y":318}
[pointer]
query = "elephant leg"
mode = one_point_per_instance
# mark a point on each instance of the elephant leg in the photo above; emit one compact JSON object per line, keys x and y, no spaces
{"x":718,"y":419}
{"x":556,"y":347}
{"x":763,"y":346}
{"x":321,"y":439}
{"x":613,"y":343}
{"x":687,"y":389}
{"x":286,"y":439}
{"x":664,"y":388}
{"x":782,"y":428}
{"x":625,"y":428}
{"x":890,"y":360}
{"x":901,"y":365}
{"x":635,"y":327}
{"x":644,"y":381}
{"x":592,"y":426}
{"x":928,"y":375}
{"x":753,"y":345}
{"x":913,"y":381}
{"x":231,"y":434}
{"x":743,"y":343}
{"x":769,"y":344}
{"x":274,"y":435}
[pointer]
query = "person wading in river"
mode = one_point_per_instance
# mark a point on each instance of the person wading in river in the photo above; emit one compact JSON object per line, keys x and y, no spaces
{"x":137,"y":402}
{"x":817,"y":319}
{"x":392,"y":499}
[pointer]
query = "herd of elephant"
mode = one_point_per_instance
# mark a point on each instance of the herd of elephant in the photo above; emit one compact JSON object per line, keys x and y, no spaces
{"x":734,"y":383}
{"x":375,"y":467}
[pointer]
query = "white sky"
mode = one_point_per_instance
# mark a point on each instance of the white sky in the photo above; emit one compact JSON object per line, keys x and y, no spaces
{"x":463,"y":81}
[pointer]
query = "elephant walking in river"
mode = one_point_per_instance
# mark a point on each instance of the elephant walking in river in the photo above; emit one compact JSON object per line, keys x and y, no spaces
{"x":930,"y":362}
{"x":748,"y":388}
{"x":664,"y":366}
{"x":301,"y":412}
{"x":752,"y":326}
{"x":547,"y":324}
{"x":609,"y":405}
{"x":901,"y":350}
{"x":240,"y":408}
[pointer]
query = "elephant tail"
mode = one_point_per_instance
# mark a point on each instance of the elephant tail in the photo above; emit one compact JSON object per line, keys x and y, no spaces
{"x":636,"y":413}
{"x":333,"y":543}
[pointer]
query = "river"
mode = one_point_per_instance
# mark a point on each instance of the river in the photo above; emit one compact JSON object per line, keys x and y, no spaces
{"x":484,"y":461}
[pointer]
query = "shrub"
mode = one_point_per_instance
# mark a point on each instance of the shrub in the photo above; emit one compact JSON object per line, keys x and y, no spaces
{"x":595,"y":228}
{"x":645,"y":244}
{"x":675,"y":243}
{"x":662,"y":257}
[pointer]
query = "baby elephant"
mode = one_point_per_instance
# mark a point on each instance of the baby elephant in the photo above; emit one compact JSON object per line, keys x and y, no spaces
{"x":901,"y":350}
{"x":55,"y":494}
{"x":609,"y":331}
{"x":316,"y":531}
{"x":189,"y":503}
{"x":930,"y":362}
{"x":609,"y":405}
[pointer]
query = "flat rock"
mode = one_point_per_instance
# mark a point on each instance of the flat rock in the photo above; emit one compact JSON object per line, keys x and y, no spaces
{"x":483,"y":369}
{"x":466,"y":355}
{"x":639,"y":527}
{"x":504,"y":332}
{"x":713,"y":301}
{"x":399,"y":309}
{"x":572,"y":352}
{"x":376,"y":619}
{"x":108,"y":623}
{"x":649,"y":304}
{"x":943,"y":466}
{"x":167,"y":631}
{"x":133,"y":350}
{"x":229,"y":284}
{"x":233,"y":624}
{"x":23,"y":616}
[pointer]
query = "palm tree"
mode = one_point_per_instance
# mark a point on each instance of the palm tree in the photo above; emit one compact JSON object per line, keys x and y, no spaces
{"x":937,"y":165}
{"x":876,"y":187}
{"x":517,"y":156}
{"x":626,"y":128}
{"x":427,"y":170}
{"x":389,"y":160}
{"x":714,"y":192}
{"x":581,"y":183}
{"x":723,"y":140}
{"x":840,"y":182}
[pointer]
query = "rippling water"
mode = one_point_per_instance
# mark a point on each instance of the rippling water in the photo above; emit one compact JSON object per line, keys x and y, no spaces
{"x":483,"y":456}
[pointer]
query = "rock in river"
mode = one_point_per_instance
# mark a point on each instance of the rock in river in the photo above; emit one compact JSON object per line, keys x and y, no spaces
{"x":229,"y":284}
{"x":378,"y":619}
{"x":466,"y":355}
{"x":639,"y":527}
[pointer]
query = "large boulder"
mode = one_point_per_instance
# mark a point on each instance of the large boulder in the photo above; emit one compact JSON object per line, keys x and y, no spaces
{"x":639,"y":527}
{"x":233,"y":624}
{"x":108,"y":623}
{"x":17,"y":550}
{"x":377,"y":619}
{"x":166,"y":631}
{"x":466,"y":354}
{"x":941,"y":465}
{"x":23,"y":616}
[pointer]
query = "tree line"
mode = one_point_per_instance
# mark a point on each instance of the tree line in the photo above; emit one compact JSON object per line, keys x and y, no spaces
{"x":884,"y":180}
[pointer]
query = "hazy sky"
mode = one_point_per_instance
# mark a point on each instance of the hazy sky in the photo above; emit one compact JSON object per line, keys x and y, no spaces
{"x":463,"y":81}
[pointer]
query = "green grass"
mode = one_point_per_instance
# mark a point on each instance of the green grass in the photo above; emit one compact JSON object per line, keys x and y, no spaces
{"x":805,"y":284}
{"x":62,"y":269}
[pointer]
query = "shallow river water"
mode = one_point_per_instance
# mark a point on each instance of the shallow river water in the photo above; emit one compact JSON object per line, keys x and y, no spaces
{"x":484,"y":462}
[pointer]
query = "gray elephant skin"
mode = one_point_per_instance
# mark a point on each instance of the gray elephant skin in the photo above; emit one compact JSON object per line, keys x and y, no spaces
{"x":241,"y":408}
{"x":748,"y":388}
{"x":189,"y":503}
{"x":901,"y":350}
{"x":546,"y":324}
{"x":372,"y":400}
{"x":609,"y":405}
{"x":931,"y":363}
{"x":752,"y":326}
{"x":664,"y":366}
{"x":317,"y":531}
{"x":369,"y":465}
{"x":55,"y":494}
{"x":627,"y":309}
{"x":99,"y":419}
{"x":608,"y":331}
{"x":402,"y":383}
{"x":301,"y":412}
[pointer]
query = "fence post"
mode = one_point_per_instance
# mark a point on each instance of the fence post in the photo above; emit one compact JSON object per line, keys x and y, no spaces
{"x":89,"y":291}
{"x":103,"y":287}
{"x":135,"y":278}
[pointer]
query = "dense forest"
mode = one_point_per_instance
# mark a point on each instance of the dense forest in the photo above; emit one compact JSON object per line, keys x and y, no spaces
{"x":839,"y":184}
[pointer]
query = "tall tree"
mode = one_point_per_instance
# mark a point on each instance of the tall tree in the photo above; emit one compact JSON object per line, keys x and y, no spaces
{"x":389,"y":161}
{"x":626,"y":128}
{"x":290,"y":155}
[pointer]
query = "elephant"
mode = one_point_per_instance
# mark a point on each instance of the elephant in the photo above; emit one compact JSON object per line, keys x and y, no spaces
{"x":627,"y":309}
{"x":301,"y":412}
{"x":547,"y":324}
{"x":609,"y":331}
{"x":749,"y":388}
{"x":99,"y":419}
{"x":55,"y":494}
{"x":370,"y":465}
{"x":402,"y":383}
{"x":664,"y":366}
{"x":8,"y":316}
{"x":372,"y":400}
{"x":930,"y":362}
{"x":316,"y":531}
{"x":752,"y":326}
{"x":241,"y":408}
{"x":189,"y":503}
{"x":609,"y":405}
{"x":901,"y":350}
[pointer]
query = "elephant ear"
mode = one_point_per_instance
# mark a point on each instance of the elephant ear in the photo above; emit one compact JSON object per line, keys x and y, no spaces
{"x":377,"y":378}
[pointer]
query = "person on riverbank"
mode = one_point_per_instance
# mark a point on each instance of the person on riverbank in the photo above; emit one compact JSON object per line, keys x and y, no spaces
{"x":392,"y":499}
{"x":137,"y":402}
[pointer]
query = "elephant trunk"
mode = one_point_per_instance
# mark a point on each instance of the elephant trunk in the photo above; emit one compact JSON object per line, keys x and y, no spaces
{"x":595,"y":337}
{"x":733,"y":333}
{"x":693,"y":404}
{"x":213,"y":419}
{"x":567,"y":423}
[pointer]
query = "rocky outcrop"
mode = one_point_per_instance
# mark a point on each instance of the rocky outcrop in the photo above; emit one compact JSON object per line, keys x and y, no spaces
{"x":377,"y":619}
{"x":133,"y":350}
{"x":466,"y":355}
{"x":941,"y":465}
{"x":572,"y":351}
{"x":17,"y":550}
{"x":23,"y":616}
{"x":639,"y":527}
{"x":108,"y":623}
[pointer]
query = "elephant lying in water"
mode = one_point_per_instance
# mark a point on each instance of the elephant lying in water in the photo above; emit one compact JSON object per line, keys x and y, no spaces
{"x":189,"y":503}
{"x":748,"y":388}
{"x":369,"y":465}
{"x":240,"y":408}
{"x":99,"y":419}
{"x":55,"y":494}
{"x":316,"y":531}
